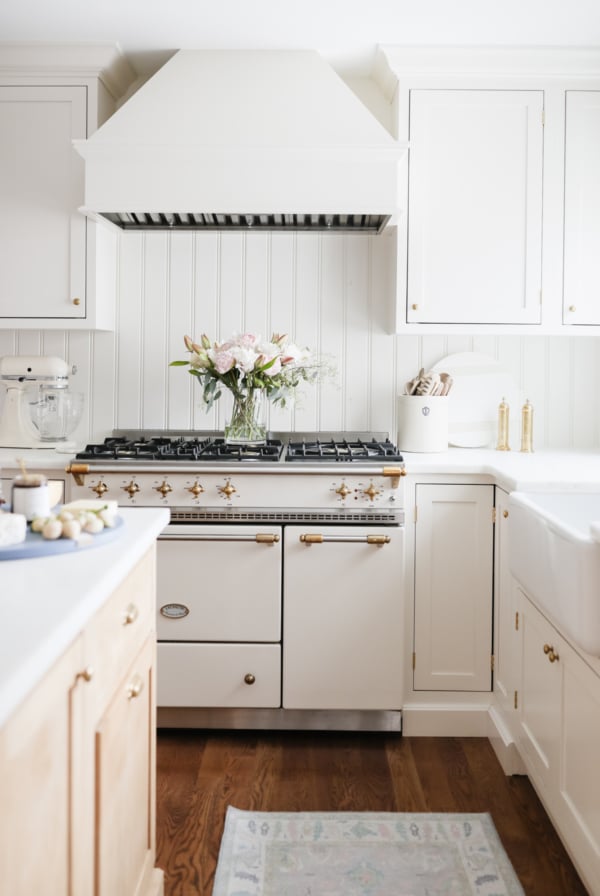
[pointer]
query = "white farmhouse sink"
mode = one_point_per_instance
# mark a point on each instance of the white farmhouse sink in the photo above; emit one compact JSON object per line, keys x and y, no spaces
{"x":554,"y":550}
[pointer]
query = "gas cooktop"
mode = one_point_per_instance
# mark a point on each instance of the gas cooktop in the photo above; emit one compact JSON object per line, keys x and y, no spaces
{"x":140,"y":447}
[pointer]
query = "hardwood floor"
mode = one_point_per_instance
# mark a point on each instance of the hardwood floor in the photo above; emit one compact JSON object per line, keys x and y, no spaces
{"x":200,"y":773}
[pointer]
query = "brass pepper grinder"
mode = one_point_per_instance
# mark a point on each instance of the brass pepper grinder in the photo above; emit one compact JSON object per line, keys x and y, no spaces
{"x":527,"y":427}
{"x":503,"y":418}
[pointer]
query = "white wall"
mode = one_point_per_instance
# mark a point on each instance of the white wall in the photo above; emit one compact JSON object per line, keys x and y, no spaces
{"x":329,"y":292}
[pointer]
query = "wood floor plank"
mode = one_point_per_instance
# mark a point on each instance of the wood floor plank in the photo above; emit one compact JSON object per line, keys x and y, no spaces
{"x":200,"y":773}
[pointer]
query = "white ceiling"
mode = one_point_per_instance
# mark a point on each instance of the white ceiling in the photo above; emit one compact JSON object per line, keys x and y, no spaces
{"x":346,"y":32}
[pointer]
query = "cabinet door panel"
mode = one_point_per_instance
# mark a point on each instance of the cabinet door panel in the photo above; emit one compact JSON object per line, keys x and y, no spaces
{"x":540,"y":710}
{"x":475,"y":206}
{"x":453,"y":587}
{"x":125,"y":756}
{"x":42,"y":235}
{"x":582,"y":208}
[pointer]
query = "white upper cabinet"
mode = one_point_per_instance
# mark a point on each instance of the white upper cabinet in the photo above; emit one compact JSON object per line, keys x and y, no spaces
{"x":499,"y":230}
{"x":42,"y":235}
{"x":475,"y":206}
{"x":581,"y":293}
{"x":57,"y":270}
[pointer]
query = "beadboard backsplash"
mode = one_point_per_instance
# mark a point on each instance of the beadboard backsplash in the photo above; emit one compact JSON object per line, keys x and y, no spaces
{"x":330,"y":292}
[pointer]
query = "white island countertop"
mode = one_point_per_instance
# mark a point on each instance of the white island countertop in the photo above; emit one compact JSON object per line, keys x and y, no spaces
{"x":45,"y":602}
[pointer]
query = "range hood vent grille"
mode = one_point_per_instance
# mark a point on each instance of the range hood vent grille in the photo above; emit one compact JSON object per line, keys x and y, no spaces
{"x":247,"y":222}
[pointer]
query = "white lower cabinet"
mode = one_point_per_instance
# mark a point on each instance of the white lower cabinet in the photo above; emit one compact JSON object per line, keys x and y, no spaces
{"x":559,"y":712}
{"x":343,"y":619}
{"x":453,"y":587}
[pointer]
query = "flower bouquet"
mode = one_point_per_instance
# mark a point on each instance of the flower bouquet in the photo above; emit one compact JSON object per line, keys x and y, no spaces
{"x":252,"y":369}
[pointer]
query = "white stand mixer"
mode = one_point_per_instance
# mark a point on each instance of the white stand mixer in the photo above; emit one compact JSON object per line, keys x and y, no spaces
{"x":42,"y":417}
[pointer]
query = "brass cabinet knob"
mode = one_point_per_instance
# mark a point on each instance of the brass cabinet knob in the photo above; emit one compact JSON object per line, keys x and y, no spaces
{"x":249,"y":678}
{"x":572,"y":308}
{"x":505,"y":514}
{"x":414,"y":307}
{"x":77,"y":301}
{"x":551,"y":653}
{"x":135,"y":687}
{"x":547,"y":649}
{"x":100,"y":488}
{"x":130,"y":614}
{"x":87,"y":674}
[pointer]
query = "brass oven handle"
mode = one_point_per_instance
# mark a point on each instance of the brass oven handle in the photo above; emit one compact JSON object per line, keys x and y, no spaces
{"x":258,"y":537}
{"x":316,"y":538}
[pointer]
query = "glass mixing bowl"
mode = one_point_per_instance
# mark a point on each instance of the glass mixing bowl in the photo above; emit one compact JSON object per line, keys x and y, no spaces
{"x":55,"y":413}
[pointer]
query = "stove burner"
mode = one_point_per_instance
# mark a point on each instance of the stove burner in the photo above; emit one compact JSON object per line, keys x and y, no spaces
{"x":342,"y":451}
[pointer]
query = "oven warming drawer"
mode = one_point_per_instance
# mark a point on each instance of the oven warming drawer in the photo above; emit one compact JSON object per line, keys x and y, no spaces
{"x":219,"y":675}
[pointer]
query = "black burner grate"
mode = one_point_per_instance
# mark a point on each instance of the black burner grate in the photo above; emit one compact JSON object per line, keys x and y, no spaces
{"x":343,"y":451}
{"x":181,"y":449}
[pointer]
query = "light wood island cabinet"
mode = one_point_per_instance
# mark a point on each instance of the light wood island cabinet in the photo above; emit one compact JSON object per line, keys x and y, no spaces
{"x":78,"y":759}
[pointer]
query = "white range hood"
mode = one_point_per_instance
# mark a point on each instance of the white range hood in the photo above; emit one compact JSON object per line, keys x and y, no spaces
{"x":270,"y":139}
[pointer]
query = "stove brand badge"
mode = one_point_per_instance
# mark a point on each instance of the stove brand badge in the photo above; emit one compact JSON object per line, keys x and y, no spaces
{"x":174,"y":611}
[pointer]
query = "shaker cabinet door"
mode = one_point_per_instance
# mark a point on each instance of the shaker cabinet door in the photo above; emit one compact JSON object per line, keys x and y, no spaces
{"x":475,"y":207}
{"x":582,"y":208}
{"x":42,"y":233}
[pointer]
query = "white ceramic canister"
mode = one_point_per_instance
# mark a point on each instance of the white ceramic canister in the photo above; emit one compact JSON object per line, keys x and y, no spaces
{"x":423,"y":422}
{"x":30,"y":496}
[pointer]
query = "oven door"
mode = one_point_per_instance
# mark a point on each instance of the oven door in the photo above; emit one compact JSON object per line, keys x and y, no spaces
{"x":343,"y":617}
{"x":219,"y":616}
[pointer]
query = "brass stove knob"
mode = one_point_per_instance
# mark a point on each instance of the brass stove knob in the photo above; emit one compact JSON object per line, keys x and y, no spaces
{"x":100,"y":488}
{"x":164,"y":488}
{"x":195,"y":489}
{"x":343,"y":491}
{"x":228,"y":489}
{"x":132,"y":488}
{"x":371,"y":492}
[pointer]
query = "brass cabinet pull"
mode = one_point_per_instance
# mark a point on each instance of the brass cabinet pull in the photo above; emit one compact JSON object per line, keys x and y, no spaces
{"x":131,"y":614}
{"x":135,"y":687}
{"x":266,"y":538}
{"x":249,"y":678}
{"x":550,"y":653}
{"x":258,"y":537}
{"x":316,"y":538}
{"x":505,"y":514}
{"x":77,"y":301}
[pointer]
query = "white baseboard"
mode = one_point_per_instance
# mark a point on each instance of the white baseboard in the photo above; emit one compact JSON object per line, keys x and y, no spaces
{"x":504,"y":745}
{"x":445,"y":719}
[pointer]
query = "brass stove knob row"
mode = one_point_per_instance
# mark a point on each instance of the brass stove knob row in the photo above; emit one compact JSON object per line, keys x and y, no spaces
{"x":228,"y":489}
{"x":100,"y":488}
{"x":132,"y":488}
{"x":371,"y":492}
{"x":195,"y":489}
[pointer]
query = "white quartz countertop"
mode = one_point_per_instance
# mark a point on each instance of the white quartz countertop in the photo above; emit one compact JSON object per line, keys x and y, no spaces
{"x":45,"y":602}
{"x":513,"y":470}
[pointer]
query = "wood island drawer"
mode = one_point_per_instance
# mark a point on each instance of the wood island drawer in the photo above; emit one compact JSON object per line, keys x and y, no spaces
{"x":119,"y":629}
{"x":232,"y":675}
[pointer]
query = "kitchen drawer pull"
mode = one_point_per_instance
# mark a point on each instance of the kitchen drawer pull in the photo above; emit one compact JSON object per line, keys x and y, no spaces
{"x":135,"y":687}
{"x":549,"y":651}
{"x":317,"y":538}
{"x":257,"y":537}
{"x":130,"y":615}
{"x":249,"y":678}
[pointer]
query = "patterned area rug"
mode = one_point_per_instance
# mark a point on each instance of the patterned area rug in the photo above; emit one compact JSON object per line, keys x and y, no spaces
{"x":362,"y":854}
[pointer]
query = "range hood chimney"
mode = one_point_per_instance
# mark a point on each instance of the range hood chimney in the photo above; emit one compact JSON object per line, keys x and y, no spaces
{"x":242,"y":139}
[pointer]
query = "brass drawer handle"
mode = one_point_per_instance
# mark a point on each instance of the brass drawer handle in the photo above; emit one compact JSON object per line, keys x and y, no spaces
{"x":131,"y":614}
{"x":135,"y":687}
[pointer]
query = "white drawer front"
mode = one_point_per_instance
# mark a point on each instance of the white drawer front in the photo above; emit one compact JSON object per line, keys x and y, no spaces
{"x":203,"y":675}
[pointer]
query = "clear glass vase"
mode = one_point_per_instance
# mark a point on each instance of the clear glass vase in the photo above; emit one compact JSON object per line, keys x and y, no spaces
{"x":247,"y":422}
